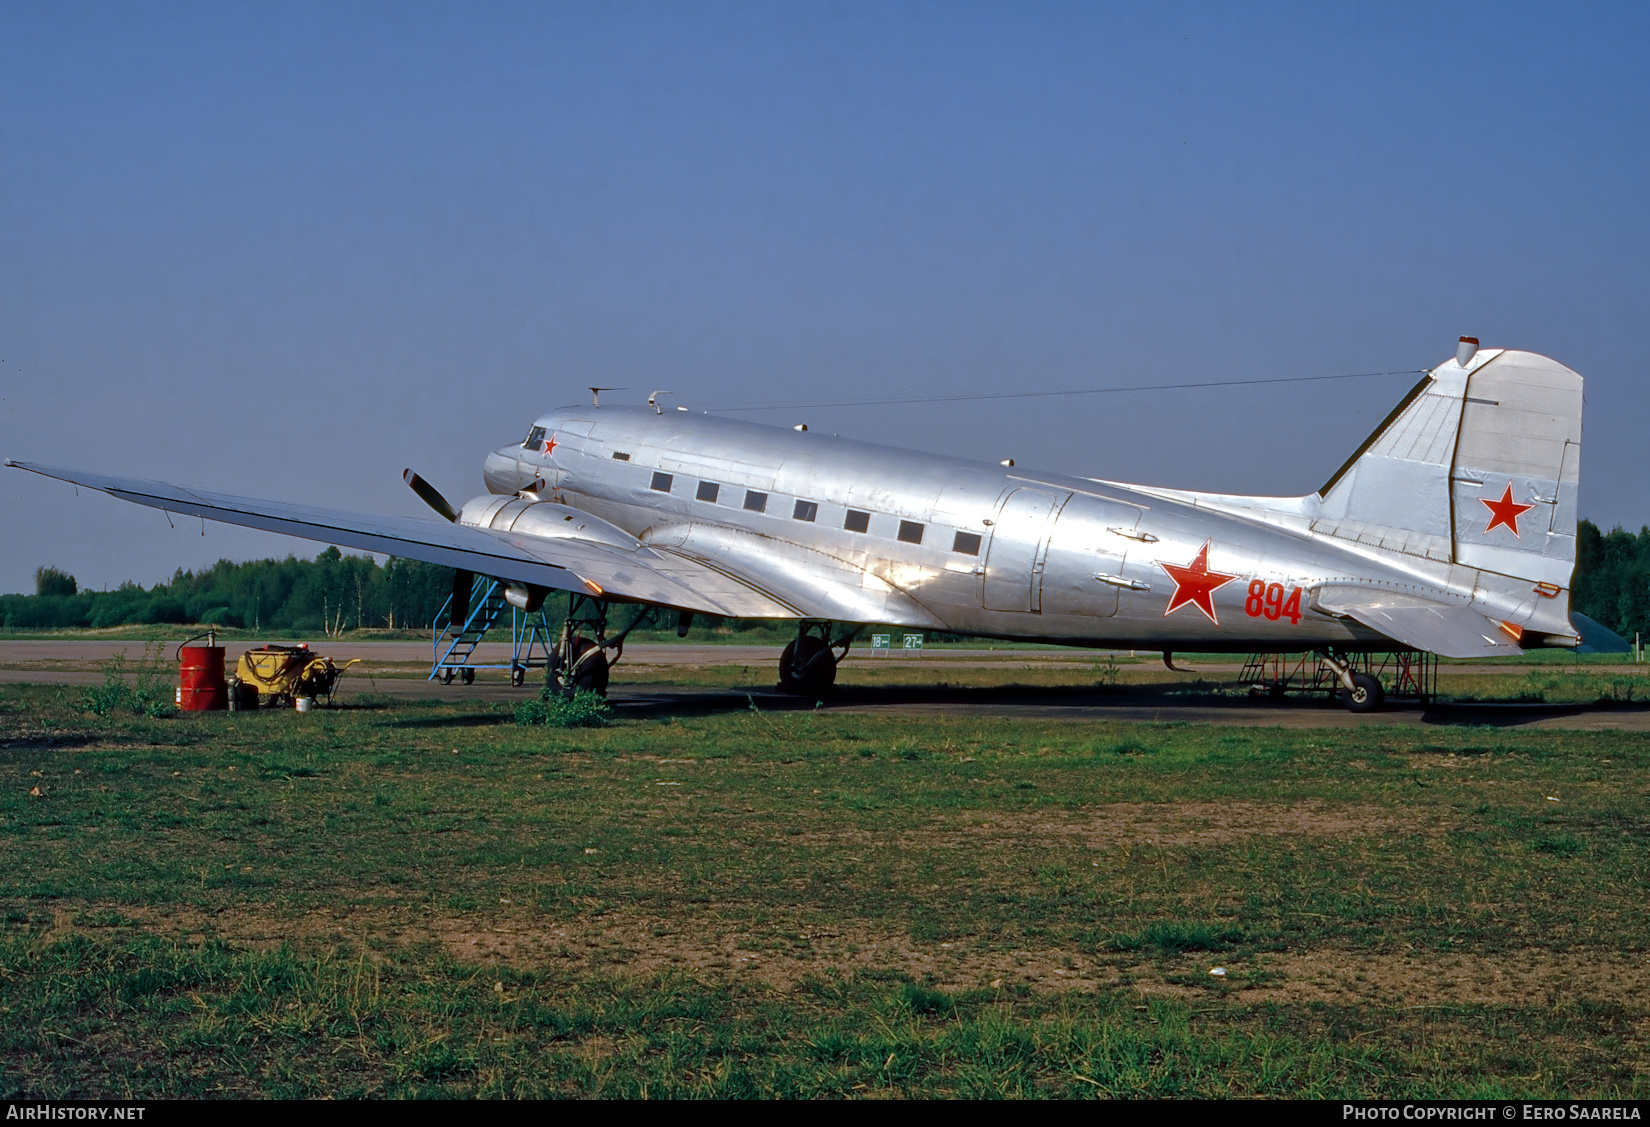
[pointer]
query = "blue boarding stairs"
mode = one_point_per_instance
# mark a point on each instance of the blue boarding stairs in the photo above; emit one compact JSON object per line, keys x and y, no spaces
{"x":453,"y":644}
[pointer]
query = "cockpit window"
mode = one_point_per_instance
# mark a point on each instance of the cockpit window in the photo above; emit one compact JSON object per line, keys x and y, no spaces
{"x":533,"y":439}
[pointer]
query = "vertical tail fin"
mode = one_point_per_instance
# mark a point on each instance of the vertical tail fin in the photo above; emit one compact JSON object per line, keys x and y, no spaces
{"x":1478,"y":465}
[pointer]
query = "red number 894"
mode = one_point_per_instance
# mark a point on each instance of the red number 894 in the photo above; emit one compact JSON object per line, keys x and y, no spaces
{"x":1267,"y":601}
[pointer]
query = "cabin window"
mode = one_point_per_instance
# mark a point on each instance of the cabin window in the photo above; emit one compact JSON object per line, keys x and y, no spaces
{"x":756,"y":502}
{"x":857,"y":521}
{"x":661,"y":482}
{"x":620,"y":456}
{"x":805,"y":510}
{"x":708,"y":491}
{"x":910,"y":532}
{"x":534,"y":437}
{"x":968,"y":543}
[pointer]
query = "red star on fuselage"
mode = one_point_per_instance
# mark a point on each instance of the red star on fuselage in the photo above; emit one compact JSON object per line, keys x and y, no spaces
{"x":1504,"y":512}
{"x":550,"y":445}
{"x":1194,"y":583}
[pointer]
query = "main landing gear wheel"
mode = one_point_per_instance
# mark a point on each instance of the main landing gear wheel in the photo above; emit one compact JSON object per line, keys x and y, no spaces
{"x":580,"y":664}
{"x":1365,"y":695}
{"x":807,"y":666}
{"x":588,"y":672}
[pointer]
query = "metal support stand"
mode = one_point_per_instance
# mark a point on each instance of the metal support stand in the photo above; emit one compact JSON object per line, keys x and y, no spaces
{"x":1403,"y":674}
{"x":453,"y":645}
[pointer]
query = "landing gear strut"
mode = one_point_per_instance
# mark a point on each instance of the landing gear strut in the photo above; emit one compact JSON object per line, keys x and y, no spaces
{"x":808,"y":664}
{"x":581,"y":659}
{"x":1360,"y":692}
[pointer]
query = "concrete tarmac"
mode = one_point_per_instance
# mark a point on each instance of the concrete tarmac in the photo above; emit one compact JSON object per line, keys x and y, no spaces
{"x":393,"y":669}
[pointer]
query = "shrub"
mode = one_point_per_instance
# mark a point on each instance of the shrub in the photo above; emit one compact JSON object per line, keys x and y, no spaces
{"x":149,"y":694}
{"x":113,"y":693}
{"x":555,"y":710}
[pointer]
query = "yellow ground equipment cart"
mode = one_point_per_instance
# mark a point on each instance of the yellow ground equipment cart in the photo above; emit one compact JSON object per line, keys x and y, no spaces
{"x":282,"y":675}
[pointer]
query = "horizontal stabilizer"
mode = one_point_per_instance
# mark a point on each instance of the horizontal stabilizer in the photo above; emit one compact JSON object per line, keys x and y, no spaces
{"x":1446,"y":629}
{"x":1597,"y":638}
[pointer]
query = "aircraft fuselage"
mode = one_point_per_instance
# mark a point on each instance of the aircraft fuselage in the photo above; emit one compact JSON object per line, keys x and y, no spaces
{"x":947,"y":543}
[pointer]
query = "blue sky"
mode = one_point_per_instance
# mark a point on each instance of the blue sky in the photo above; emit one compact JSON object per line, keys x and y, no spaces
{"x":286,"y":250}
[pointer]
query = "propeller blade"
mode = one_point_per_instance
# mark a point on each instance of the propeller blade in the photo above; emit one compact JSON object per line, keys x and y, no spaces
{"x":432,"y":497}
{"x":462,"y":582}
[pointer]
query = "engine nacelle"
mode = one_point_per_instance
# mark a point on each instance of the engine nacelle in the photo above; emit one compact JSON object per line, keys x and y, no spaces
{"x":547,"y":520}
{"x":525,"y":596}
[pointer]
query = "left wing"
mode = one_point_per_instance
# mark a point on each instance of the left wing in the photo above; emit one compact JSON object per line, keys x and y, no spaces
{"x":632,"y":573}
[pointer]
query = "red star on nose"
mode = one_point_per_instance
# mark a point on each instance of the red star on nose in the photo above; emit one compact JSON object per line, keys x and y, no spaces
{"x":1194,"y":583}
{"x":1504,"y":512}
{"x":550,"y":445}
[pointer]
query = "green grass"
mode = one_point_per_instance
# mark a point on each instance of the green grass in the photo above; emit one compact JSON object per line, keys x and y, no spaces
{"x":335,"y":1025}
{"x":426,"y":898}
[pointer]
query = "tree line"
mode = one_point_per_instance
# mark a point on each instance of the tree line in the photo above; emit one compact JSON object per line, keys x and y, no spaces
{"x":1612,"y":580}
{"x":334,"y":593}
{"x":330,"y":594}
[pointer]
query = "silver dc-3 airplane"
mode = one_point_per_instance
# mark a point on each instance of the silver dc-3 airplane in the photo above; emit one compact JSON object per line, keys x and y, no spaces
{"x":1451,"y":531}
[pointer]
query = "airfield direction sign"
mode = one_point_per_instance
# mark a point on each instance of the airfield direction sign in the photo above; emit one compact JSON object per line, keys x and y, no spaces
{"x":880,"y":642}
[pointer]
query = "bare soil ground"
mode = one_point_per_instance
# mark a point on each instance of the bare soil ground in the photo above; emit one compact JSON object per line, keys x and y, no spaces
{"x":623,"y":941}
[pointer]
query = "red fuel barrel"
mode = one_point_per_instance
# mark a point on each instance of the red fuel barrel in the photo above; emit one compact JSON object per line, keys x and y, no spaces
{"x":201,"y":686}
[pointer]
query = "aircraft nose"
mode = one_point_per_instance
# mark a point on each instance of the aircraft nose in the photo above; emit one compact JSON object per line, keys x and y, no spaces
{"x":502,"y":471}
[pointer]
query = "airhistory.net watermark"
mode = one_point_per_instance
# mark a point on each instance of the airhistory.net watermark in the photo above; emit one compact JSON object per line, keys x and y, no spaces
{"x":72,"y":1111}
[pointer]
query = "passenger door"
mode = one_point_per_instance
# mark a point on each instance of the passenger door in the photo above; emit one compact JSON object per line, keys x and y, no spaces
{"x":1019,"y":542}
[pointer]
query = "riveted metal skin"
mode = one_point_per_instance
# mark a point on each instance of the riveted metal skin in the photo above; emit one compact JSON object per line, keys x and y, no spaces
{"x":1089,"y":562}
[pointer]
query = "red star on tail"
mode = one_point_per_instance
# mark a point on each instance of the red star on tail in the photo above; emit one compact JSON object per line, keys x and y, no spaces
{"x":1194,"y":583}
{"x":1504,"y":512}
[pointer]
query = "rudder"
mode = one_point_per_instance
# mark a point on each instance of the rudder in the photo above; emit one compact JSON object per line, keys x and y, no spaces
{"x":1517,"y":469}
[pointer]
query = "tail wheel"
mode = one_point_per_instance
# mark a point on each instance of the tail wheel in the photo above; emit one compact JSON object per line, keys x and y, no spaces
{"x":587,"y":672}
{"x":1365,"y":695}
{"x":807,"y":666}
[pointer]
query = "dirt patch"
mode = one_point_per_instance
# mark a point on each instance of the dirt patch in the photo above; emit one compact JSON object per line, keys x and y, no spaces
{"x":780,"y":957}
{"x":1207,"y":823}
{"x":1525,"y":977}
{"x":645,"y":947}
{"x":1134,"y":823}
{"x":783,"y":955}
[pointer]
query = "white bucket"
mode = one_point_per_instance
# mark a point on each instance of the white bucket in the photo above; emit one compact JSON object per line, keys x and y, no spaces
{"x":304,"y":704}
